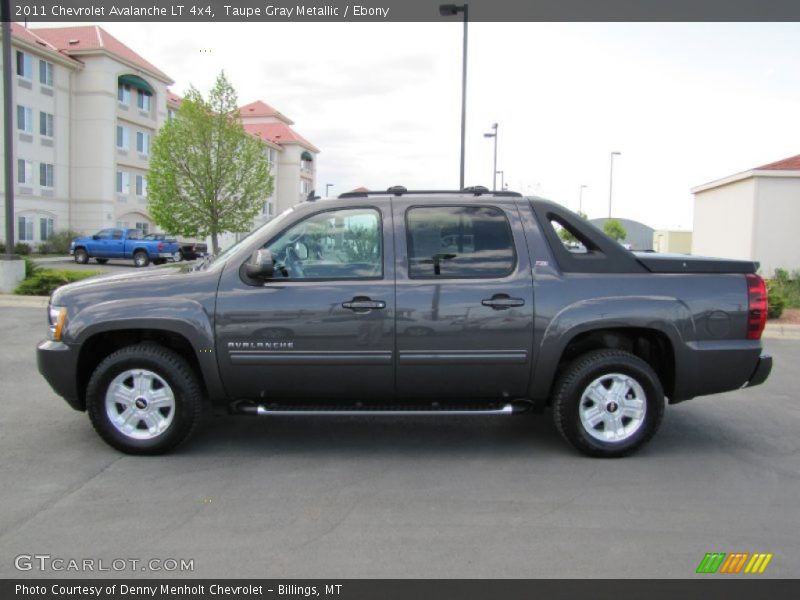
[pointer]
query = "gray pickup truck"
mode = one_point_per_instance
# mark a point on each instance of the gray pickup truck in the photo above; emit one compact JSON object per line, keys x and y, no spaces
{"x":409,"y":303}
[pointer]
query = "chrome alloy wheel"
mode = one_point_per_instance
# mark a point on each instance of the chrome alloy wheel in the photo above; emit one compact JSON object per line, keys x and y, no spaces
{"x":613,"y":407}
{"x":140,"y":404}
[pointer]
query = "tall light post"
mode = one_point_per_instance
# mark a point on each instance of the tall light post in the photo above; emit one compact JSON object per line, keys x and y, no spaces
{"x":451,"y":10}
{"x":327,"y":187}
{"x":580,"y":198}
{"x":493,"y":134}
{"x":8,"y":132}
{"x":502,"y":179}
{"x":611,"y":181}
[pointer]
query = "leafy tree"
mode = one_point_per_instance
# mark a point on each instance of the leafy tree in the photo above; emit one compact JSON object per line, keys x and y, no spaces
{"x":207,"y":174}
{"x":614,"y":229}
{"x":566,"y":236}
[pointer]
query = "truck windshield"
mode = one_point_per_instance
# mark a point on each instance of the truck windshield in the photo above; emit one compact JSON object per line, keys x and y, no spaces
{"x":225,"y":255}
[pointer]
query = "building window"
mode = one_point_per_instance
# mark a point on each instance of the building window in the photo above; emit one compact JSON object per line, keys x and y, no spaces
{"x":24,"y":65}
{"x":143,"y":227}
{"x":123,"y":182}
{"x":305,"y":186}
{"x":24,"y":118}
{"x":25,"y":228}
{"x":45,"y":228}
{"x":269,"y":209}
{"x":46,"y":175}
{"x":143,"y":100}
{"x":46,"y":124}
{"x":123,"y":135}
{"x":45,"y":73}
{"x":24,"y":172}
{"x":141,"y":185}
{"x":143,"y":142}
{"x":171,"y":114}
{"x":124,"y":94}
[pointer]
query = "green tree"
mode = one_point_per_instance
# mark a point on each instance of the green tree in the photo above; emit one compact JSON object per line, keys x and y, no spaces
{"x":566,"y":236}
{"x":207,"y":174}
{"x":614,"y":229}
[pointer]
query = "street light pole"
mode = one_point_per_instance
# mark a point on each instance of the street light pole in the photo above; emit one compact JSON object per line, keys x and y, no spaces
{"x":502,"y":179}
{"x":611,"y":181}
{"x":494,"y":170}
{"x":327,"y":187}
{"x":580,"y":198}
{"x":8,"y":132}
{"x":450,"y":10}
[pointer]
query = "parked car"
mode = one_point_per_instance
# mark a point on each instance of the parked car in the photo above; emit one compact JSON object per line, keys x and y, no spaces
{"x":187,"y":250}
{"x":123,"y":243}
{"x":371,"y":304}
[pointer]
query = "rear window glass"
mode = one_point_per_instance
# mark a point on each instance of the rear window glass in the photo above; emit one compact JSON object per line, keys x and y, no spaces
{"x":457,"y":242}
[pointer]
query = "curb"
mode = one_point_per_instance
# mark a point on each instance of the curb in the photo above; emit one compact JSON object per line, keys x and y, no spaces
{"x":781,"y":331}
{"x":14,"y":301}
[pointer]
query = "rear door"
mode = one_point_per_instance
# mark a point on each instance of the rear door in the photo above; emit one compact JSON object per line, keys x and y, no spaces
{"x":322,"y":329}
{"x":464,"y":300}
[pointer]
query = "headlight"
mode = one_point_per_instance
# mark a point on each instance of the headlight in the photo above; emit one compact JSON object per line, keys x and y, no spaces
{"x":57,"y":316}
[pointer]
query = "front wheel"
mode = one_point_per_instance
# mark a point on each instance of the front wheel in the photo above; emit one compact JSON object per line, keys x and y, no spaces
{"x":81,"y":256}
{"x":140,"y":258}
{"x":608,"y":403}
{"x":144,"y":399}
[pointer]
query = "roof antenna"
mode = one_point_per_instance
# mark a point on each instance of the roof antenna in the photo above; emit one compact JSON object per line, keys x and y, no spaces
{"x":312,"y":196}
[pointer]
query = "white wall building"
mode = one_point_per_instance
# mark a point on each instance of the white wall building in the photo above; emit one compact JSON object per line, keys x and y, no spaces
{"x":87,"y":108}
{"x":751,"y":215}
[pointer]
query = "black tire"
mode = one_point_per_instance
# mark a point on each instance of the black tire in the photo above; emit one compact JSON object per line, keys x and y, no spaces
{"x":601,"y":368}
{"x":101,"y":261}
{"x":81,"y":256}
{"x":140,"y":258}
{"x":172,"y":369}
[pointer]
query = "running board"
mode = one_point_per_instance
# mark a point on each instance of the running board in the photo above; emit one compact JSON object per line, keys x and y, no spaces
{"x":316,"y":411}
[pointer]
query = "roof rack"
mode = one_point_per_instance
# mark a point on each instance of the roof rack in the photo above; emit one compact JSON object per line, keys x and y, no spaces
{"x":399,"y":190}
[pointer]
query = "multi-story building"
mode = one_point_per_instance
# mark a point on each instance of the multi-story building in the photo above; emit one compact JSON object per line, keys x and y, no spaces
{"x":87,"y":108}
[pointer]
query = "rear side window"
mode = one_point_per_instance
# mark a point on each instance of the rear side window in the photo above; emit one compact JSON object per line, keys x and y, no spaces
{"x":459,"y":242}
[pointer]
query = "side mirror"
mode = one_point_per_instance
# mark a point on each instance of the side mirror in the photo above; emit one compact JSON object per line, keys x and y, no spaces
{"x":261,"y":265}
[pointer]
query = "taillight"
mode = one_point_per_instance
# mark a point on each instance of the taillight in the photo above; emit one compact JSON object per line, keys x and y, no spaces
{"x":160,"y":246}
{"x":756,"y":306}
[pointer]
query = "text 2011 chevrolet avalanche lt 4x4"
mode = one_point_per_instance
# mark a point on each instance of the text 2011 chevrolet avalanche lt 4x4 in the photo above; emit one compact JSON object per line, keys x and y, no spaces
{"x":400,"y":302}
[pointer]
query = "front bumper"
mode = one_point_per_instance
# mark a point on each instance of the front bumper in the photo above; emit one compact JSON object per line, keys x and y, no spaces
{"x":58,"y":364}
{"x":762,"y":370}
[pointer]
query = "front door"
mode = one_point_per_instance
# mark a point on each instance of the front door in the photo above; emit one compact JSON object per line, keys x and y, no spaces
{"x":464,"y":301}
{"x":323,"y":328}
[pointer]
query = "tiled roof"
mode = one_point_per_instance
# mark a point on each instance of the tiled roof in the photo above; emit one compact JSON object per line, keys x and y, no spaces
{"x":262,"y":109}
{"x":173,"y":98}
{"x":28,"y":35}
{"x":787,"y":164}
{"x":360,"y":189}
{"x":87,"y":38}
{"x":278,"y":133}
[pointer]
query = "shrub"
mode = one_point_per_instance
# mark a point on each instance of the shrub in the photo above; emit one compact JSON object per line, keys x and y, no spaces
{"x":45,"y":248}
{"x":44,"y":281}
{"x":786,"y":287}
{"x":22,"y":248}
{"x":60,"y":241}
{"x":775,"y":305}
{"x":31,"y":268}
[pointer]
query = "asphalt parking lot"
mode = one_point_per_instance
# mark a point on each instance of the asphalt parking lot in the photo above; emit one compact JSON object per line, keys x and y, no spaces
{"x":67,"y":262}
{"x":411,"y":497}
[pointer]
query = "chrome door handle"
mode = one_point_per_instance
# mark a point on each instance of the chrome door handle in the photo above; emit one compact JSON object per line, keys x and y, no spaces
{"x":502,"y":302}
{"x":363,"y":304}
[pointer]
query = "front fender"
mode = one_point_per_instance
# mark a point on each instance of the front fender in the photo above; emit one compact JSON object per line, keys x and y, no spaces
{"x":181,"y":316}
{"x":666,"y":315}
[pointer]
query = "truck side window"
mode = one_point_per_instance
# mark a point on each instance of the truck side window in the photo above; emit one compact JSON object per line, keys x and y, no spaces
{"x":116,"y":235}
{"x":336,"y":244}
{"x":458,"y":242}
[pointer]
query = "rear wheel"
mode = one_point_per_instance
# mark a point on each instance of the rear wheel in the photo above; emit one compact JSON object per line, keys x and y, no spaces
{"x":608,"y":403}
{"x":81,"y":256}
{"x":144,"y":399}
{"x":140,"y":258}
